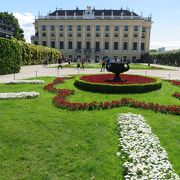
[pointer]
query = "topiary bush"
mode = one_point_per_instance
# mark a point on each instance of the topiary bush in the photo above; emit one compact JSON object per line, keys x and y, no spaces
{"x":118,"y":89}
{"x":10,"y":56}
{"x":35,"y":54}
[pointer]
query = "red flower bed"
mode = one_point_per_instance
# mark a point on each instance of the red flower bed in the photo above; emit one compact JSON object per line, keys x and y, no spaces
{"x":106,"y":79}
{"x":60,"y":101}
{"x":176,"y":95}
{"x":174,"y":82}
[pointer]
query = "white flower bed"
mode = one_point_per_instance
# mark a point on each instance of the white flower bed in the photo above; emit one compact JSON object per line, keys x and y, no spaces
{"x":19,"y":95}
{"x":26,"y":82}
{"x":144,"y":157}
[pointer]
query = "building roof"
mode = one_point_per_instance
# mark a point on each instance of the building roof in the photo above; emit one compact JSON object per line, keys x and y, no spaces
{"x":96,"y":12}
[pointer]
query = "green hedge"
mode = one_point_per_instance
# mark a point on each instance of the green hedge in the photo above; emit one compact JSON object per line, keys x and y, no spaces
{"x":16,"y":53}
{"x":10,"y":56}
{"x":34,"y":54}
{"x":118,"y":89}
{"x":171,"y":58}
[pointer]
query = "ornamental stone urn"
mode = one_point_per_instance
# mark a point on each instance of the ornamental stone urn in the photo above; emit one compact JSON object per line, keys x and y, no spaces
{"x":117,"y":68}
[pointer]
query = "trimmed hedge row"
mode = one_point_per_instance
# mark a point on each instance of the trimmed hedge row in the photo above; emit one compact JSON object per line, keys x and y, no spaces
{"x":16,"y":53}
{"x":118,"y":89}
{"x":171,"y":58}
{"x":34,"y":54}
{"x":10,"y":56}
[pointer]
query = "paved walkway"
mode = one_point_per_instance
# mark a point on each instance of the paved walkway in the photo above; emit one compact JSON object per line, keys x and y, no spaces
{"x":39,"y":70}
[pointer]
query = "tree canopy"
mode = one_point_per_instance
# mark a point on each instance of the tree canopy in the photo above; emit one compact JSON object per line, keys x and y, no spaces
{"x":11,"y":20}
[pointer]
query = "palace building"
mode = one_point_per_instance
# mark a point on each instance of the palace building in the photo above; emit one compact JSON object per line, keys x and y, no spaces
{"x":93,"y":34}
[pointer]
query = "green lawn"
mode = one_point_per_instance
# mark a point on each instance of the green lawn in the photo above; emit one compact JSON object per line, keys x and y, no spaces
{"x":98,"y":66}
{"x":40,"y":141}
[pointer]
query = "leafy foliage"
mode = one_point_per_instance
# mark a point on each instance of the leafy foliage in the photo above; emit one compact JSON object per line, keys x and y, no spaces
{"x":10,"y":56}
{"x":166,"y":58}
{"x":13,"y":22}
{"x":16,"y":53}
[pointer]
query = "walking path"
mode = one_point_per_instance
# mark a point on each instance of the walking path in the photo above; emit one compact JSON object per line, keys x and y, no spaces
{"x":39,"y":71}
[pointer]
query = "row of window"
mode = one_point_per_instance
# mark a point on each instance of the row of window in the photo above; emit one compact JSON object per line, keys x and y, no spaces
{"x":88,"y":28}
{"x":97,"y":45}
{"x":89,"y":35}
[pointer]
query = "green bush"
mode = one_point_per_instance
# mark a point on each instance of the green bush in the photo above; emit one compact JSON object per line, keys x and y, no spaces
{"x":16,"y":53}
{"x":118,"y":89}
{"x":10,"y":56}
{"x":34,"y":54}
{"x":166,"y":58}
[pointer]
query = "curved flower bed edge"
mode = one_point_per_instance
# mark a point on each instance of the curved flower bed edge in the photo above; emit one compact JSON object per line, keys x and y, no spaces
{"x":60,"y":100}
{"x":115,"y":88}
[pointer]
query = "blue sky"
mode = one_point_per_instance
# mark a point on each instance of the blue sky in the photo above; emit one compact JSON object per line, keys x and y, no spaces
{"x":165,"y":15}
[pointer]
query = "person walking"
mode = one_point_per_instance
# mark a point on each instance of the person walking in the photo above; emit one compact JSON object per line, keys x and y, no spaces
{"x":60,"y":63}
{"x":103,"y":64}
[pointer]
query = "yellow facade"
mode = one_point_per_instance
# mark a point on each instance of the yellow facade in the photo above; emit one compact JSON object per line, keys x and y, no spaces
{"x":91,"y":36}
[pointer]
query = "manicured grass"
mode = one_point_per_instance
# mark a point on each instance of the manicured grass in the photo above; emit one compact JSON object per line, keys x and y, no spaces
{"x":40,"y":141}
{"x":98,"y":66}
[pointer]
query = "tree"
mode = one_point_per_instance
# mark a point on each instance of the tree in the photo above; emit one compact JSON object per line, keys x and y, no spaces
{"x":11,"y":20}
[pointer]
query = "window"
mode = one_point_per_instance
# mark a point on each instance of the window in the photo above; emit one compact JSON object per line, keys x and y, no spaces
{"x":97,"y":27}
{"x":106,"y":34}
{"x":79,"y":27}
{"x":115,"y":45}
{"x":107,"y":28}
{"x":97,"y":34}
{"x":116,"y":35}
{"x":143,"y":36}
{"x":53,"y":44}
{"x":44,"y":43}
{"x":61,"y":27}
{"x":135,"y":46}
{"x":88,"y":35}
{"x":79,"y":44}
{"x":88,"y":45}
{"x":79,"y":34}
{"x":97,"y":46}
{"x":70,"y":27}
{"x":88,"y":28}
{"x":52,"y":27}
{"x":70,"y":34}
{"x":70,"y":45}
{"x":106,"y":45}
{"x":135,"y":28}
{"x":116,"y":28}
{"x":126,"y":28}
{"x":135,"y":35}
{"x":61,"y":34}
{"x":125,"y":47}
{"x":143,"y":29}
{"x":44,"y":34}
{"x":61,"y":44}
{"x":52,"y":34}
{"x":142,"y":46}
{"x":43,"y":27}
{"x":126,"y":35}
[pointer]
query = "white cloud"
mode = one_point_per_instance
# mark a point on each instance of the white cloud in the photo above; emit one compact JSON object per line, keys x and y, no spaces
{"x":169,"y":45}
{"x":26,"y":21}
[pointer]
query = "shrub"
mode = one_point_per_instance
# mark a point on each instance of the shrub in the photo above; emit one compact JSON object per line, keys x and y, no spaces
{"x":10,"y":56}
{"x":35,"y":54}
{"x":115,"y":88}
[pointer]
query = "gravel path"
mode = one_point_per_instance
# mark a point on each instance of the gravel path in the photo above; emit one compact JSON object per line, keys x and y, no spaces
{"x":39,"y":70}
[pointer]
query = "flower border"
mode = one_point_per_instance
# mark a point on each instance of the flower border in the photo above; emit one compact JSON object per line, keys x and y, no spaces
{"x":118,"y":88}
{"x":143,"y":156}
{"x":19,"y":95}
{"x":176,"y":95}
{"x":26,"y":82}
{"x":60,"y":100}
